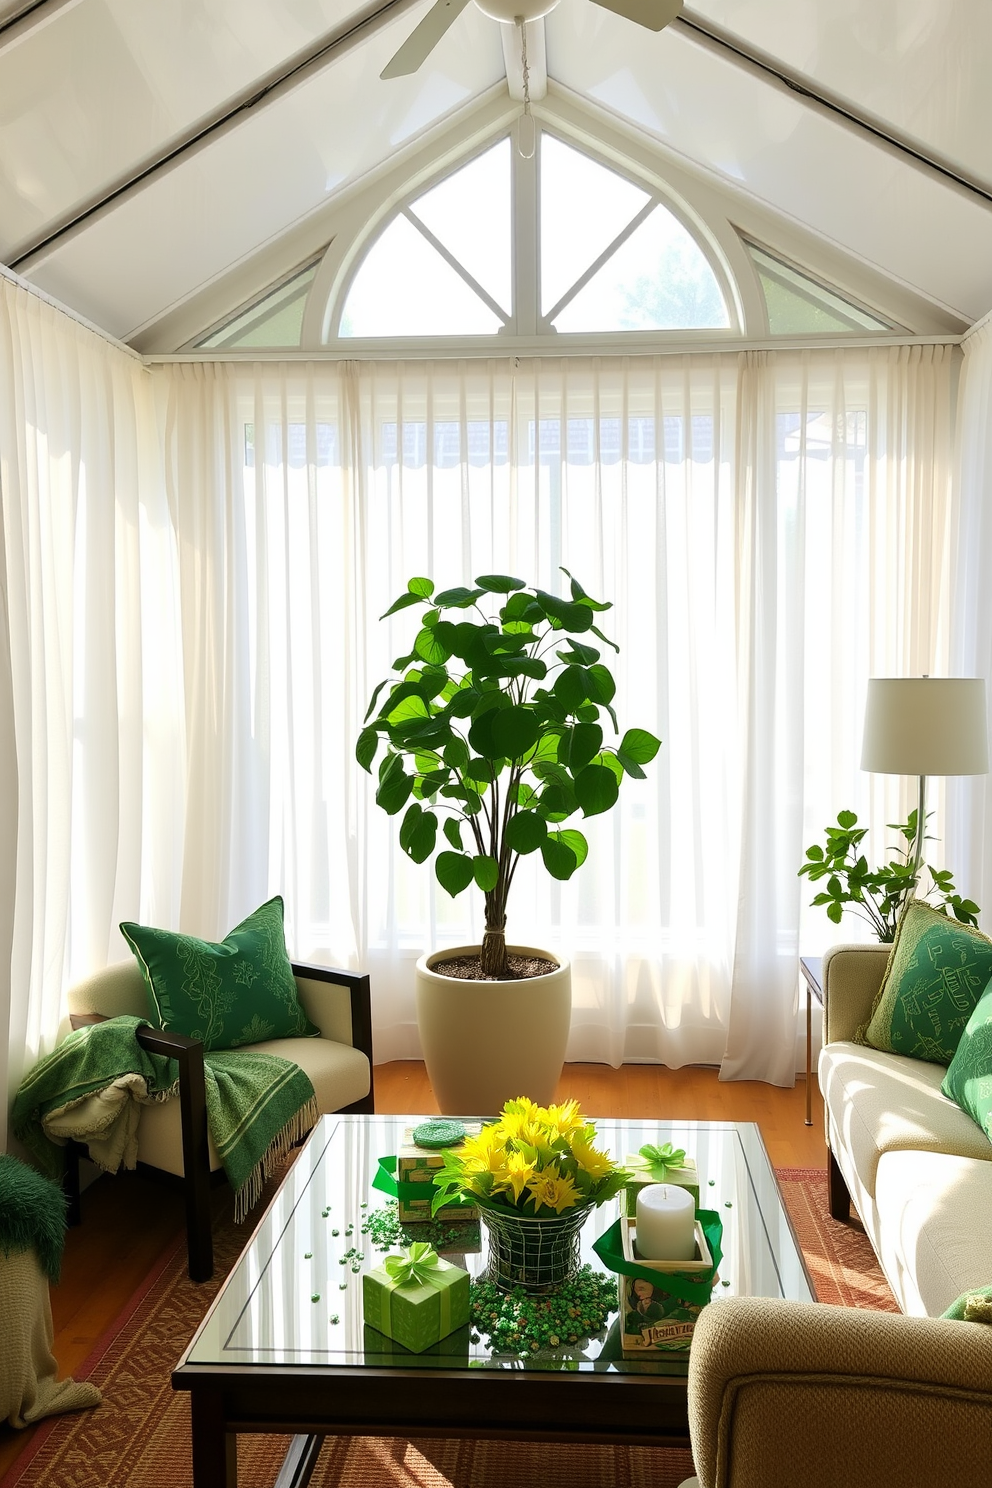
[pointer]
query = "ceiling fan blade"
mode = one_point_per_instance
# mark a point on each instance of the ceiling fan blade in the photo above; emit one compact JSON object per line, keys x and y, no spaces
{"x":654,"y":14}
{"x":422,"y":41}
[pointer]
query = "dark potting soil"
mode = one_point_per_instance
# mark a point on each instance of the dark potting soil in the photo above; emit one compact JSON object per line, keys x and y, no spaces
{"x":518,"y":968}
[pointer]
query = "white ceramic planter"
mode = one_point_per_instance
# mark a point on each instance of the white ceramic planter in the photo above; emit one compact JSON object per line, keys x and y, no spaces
{"x":486,"y":1043}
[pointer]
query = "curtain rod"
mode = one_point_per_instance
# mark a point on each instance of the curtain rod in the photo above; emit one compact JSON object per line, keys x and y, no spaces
{"x":66,"y":310}
{"x":389,"y":351}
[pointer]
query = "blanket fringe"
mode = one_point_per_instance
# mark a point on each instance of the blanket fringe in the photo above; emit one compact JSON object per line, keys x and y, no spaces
{"x":248,"y":1195}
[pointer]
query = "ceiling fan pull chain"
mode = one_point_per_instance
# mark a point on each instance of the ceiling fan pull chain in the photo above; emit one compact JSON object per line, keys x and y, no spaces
{"x":526,"y":130}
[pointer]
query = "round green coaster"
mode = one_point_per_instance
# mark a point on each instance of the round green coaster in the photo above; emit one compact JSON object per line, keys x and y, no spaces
{"x":439,"y":1134}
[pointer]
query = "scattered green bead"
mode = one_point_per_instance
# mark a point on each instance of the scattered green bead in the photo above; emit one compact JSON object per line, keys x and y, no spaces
{"x":335,"y":1318}
{"x":728,"y":1205}
{"x":315,"y":1297}
{"x":335,"y":1232}
{"x":308,"y":1255}
{"x":712,"y":1183}
{"x":725,"y":1283}
{"x":343,"y":1286}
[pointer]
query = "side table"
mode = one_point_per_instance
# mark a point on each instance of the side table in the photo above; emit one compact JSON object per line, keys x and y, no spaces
{"x":812,"y":970}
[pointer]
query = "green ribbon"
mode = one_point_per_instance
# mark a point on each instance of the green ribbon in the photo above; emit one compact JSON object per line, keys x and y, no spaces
{"x":693,"y":1287}
{"x":657,"y":1160}
{"x":419,"y":1264}
{"x":386,"y":1182}
{"x":417,"y":1268}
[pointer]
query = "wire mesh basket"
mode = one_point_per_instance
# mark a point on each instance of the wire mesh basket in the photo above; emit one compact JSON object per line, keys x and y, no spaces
{"x":536,"y":1254}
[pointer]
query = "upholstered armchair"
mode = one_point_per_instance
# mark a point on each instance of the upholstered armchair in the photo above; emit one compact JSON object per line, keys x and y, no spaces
{"x":172,"y":1135}
{"x":786,"y":1393}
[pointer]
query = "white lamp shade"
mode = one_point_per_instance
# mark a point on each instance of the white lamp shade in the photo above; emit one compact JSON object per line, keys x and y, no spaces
{"x":926,"y":726}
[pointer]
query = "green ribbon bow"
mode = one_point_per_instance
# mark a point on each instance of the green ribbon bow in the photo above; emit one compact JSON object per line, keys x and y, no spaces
{"x":419,"y":1265}
{"x":659,"y":1159}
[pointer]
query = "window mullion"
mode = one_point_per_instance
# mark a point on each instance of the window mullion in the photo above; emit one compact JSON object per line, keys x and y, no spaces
{"x":606,"y":254}
{"x":462,"y":272}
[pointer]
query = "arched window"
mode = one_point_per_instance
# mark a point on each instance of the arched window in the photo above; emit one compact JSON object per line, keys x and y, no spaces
{"x":610,"y":255}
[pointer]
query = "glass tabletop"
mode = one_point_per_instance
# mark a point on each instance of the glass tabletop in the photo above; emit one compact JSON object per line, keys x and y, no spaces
{"x":295,"y":1295}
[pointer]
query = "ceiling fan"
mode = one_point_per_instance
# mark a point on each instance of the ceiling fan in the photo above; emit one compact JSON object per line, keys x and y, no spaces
{"x":654,"y":14}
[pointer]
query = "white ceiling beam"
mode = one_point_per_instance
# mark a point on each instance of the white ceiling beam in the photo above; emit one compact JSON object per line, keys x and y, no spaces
{"x":31,"y":19}
{"x":537,"y":59}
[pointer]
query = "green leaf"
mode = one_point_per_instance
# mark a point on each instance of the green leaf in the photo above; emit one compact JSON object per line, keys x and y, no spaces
{"x":480,"y":770}
{"x":630,"y":767}
{"x":464,"y":702}
{"x":576,"y":651}
{"x":639,"y":745}
{"x":601,"y":686}
{"x":365,"y":748}
{"x":429,"y":647}
{"x":524,"y":666}
{"x":395,"y":785}
{"x":579,"y":594}
{"x":456,"y":753}
{"x":453,"y":831}
{"x":576,"y":842}
{"x":596,"y":789}
{"x":485,"y":871}
{"x":423,"y":588}
{"x":401,"y":604}
{"x":580,"y":745}
{"x":525,"y":832}
{"x":555,"y":803}
{"x":418,"y":833}
{"x":453,"y":871}
{"x":411,"y":705}
{"x":368,"y":710}
{"x":847,"y":819}
{"x":513,"y":731}
{"x":571,"y":687}
{"x":604,"y":638}
{"x":567,"y":614}
{"x":456,"y":599}
{"x":432,"y":780}
{"x":559,"y":859}
{"x":499,"y":583}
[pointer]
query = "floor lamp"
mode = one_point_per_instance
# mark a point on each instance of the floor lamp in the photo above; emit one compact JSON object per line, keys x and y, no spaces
{"x":925,"y":726}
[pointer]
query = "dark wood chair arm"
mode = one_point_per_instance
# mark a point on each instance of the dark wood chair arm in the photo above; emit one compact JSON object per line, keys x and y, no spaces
{"x":188,"y":1053}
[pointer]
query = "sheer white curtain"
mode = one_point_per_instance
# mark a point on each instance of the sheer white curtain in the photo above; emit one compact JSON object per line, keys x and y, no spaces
{"x":969,"y":827}
{"x":90,"y":732}
{"x":772,"y":529}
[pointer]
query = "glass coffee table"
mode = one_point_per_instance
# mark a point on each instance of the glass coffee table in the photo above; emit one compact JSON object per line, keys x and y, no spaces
{"x":284,"y":1347}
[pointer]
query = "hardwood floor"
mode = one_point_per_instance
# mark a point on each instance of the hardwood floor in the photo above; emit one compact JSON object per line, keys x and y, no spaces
{"x":128,"y":1221}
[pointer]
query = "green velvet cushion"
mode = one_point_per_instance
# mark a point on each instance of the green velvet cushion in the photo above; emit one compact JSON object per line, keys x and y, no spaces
{"x":936,"y":973}
{"x":238,"y":992}
{"x":972,"y":1307}
{"x":969,"y":1076}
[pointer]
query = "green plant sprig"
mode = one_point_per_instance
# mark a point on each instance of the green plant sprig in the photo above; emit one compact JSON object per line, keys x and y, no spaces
{"x":486,"y":735}
{"x":877,"y":894}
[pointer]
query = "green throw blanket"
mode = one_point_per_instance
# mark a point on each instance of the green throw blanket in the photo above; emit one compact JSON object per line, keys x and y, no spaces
{"x":32,"y":1214}
{"x":92,"y":1086}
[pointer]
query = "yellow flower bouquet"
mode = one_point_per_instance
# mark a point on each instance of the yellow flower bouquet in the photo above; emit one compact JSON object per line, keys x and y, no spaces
{"x":533,"y":1161}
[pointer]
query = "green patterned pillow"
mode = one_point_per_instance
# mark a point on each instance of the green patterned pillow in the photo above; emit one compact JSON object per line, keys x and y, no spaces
{"x":969,"y":1076}
{"x":937,"y":971}
{"x":241,"y":991}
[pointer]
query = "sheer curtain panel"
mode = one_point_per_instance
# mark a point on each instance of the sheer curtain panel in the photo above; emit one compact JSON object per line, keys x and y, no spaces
{"x":91,"y":731}
{"x":771,"y":530}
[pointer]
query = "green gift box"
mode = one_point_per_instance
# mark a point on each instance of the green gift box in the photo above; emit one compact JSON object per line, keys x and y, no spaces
{"x":649,"y":1166}
{"x":416,"y":1299}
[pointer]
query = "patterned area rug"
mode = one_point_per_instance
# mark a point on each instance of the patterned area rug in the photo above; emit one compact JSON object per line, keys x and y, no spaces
{"x":139,"y":1437}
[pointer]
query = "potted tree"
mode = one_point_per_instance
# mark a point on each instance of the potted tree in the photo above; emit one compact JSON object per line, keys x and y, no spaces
{"x":492,"y":732}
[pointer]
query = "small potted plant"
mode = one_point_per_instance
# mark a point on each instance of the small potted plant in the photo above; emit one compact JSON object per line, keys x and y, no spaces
{"x":535,"y":1174}
{"x":493,"y":736}
{"x":877,"y":894}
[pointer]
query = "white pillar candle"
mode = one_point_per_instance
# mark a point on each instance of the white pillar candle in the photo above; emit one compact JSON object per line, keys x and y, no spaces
{"x":666,"y":1219}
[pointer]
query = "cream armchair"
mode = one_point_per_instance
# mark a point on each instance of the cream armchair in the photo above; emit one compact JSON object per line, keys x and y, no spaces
{"x":790,"y":1393}
{"x":172,"y":1135}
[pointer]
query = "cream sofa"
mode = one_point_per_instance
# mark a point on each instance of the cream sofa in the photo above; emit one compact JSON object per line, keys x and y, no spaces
{"x":789,"y":1393}
{"x":918,"y":1169}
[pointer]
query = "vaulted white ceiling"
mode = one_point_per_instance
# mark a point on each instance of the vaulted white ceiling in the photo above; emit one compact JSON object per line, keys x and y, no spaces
{"x":149,"y":151}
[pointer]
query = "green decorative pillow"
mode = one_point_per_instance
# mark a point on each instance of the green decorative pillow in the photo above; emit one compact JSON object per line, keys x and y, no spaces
{"x":969,"y":1077}
{"x":937,"y":971}
{"x":238,"y":992}
{"x":972,"y":1307}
